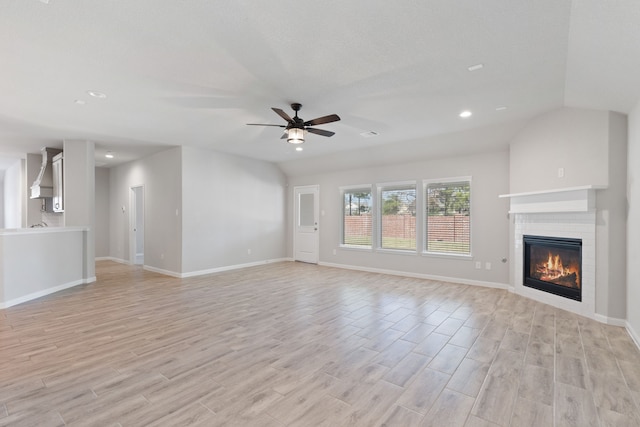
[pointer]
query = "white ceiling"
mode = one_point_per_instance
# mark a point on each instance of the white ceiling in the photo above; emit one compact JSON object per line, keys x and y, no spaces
{"x":194,"y":72}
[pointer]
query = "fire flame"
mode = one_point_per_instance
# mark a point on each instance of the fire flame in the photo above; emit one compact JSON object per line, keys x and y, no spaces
{"x":552,"y":269}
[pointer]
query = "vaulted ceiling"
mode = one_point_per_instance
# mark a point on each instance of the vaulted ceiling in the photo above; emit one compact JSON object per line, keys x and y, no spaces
{"x":194,"y":72}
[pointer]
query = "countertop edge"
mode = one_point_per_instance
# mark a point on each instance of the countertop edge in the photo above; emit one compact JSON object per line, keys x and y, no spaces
{"x":40,"y":230}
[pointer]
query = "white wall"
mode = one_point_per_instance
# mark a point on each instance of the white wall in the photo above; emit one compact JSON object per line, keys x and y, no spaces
{"x":633,"y":222}
{"x":102,"y":212}
{"x":161,"y":175}
{"x":569,"y":138}
{"x":230,"y":205}
{"x":14,"y":197}
{"x":489,"y":228}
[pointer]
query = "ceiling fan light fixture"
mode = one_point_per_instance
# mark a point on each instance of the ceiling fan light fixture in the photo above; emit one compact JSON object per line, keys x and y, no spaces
{"x":295,"y":136}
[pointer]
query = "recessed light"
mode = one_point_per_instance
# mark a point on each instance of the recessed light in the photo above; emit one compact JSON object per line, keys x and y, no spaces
{"x":475,"y":67}
{"x":80,"y":102}
{"x":466,"y":114}
{"x":95,"y":94}
{"x":369,"y":134}
{"x":299,"y":148}
{"x":109,"y":155}
{"x":501,"y":108}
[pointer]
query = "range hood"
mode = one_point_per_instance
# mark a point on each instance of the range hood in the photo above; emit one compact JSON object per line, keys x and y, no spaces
{"x":43,"y":185}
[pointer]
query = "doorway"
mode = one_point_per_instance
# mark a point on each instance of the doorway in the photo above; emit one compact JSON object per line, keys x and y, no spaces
{"x":136,"y":221}
{"x":305,"y":241}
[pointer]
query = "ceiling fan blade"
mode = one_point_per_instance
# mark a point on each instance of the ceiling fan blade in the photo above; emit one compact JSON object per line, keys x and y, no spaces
{"x":262,"y":124}
{"x":282,"y":114}
{"x":320,"y":132}
{"x":322,"y":120}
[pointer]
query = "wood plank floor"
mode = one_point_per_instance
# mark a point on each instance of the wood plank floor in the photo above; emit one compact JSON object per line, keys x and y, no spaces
{"x":292,"y":344}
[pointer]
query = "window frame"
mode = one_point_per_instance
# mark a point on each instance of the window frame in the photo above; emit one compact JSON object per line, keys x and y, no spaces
{"x":390,"y":186}
{"x":425,"y":225}
{"x":350,"y":189}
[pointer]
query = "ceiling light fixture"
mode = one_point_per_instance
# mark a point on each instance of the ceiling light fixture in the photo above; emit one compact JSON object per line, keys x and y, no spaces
{"x":501,"y":108}
{"x":475,"y":67}
{"x":299,"y":148}
{"x":369,"y":134}
{"x":109,"y":155}
{"x":80,"y":102}
{"x":295,"y":136}
{"x":465,"y":114}
{"x":95,"y":94}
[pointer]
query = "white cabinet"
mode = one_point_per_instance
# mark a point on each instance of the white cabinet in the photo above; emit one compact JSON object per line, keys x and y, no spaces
{"x":58,"y":184}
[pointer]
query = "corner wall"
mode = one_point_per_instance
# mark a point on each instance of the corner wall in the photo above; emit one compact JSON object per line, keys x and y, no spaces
{"x":14,"y":196}
{"x":233,"y":211}
{"x":102,"y":212}
{"x":161,"y":176}
{"x":633,"y":223}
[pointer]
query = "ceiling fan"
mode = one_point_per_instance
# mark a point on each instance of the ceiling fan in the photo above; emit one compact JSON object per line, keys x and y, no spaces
{"x":296,"y":126}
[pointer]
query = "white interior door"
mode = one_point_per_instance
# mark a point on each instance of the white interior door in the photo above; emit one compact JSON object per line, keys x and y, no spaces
{"x":305,"y":242}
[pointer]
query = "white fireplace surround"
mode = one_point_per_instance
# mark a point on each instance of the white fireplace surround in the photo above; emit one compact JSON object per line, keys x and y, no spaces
{"x":565,"y":213}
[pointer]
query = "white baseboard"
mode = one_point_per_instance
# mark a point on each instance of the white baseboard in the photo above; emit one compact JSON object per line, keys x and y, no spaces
{"x":231,"y":267}
{"x":44,"y":292}
{"x":610,"y":320}
{"x":419,"y":275}
{"x":114,"y":259}
{"x":161,"y":271}
{"x":198,"y":272}
{"x":634,"y":335}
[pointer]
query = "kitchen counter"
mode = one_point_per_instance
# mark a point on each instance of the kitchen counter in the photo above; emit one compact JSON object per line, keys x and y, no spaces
{"x":35,"y":262}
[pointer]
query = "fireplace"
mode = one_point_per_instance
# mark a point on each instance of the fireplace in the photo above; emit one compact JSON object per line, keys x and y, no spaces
{"x":553,"y":265}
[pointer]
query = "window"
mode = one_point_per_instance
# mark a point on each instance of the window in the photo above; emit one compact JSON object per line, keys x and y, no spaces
{"x":398,"y":217}
{"x":448,"y":216}
{"x":356,"y":218}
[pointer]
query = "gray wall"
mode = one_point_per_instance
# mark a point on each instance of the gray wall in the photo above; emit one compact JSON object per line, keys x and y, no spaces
{"x":489,"y":227}
{"x":230,"y":205}
{"x":160,"y":175}
{"x":102,"y":212}
{"x":14,"y":196}
{"x":33,"y":165}
{"x":633,"y":221}
{"x":611,"y":225}
{"x":569,"y":138}
{"x":591,"y":146}
{"x":79,"y":196}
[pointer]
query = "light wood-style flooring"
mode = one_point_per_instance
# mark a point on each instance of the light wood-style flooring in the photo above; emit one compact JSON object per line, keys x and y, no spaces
{"x":293,"y":344}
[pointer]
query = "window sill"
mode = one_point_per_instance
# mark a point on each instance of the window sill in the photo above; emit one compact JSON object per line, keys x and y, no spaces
{"x":356,"y":248}
{"x":465,"y":257}
{"x":397,"y":251}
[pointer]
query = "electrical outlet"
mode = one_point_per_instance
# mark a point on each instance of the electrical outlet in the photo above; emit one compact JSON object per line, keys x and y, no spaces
{"x":560,"y":172}
{"x":487,"y":265}
{"x":248,"y":251}
{"x":478,"y":265}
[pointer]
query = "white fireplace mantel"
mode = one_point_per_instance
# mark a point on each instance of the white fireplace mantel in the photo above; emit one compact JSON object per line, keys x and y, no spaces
{"x":574,"y":199}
